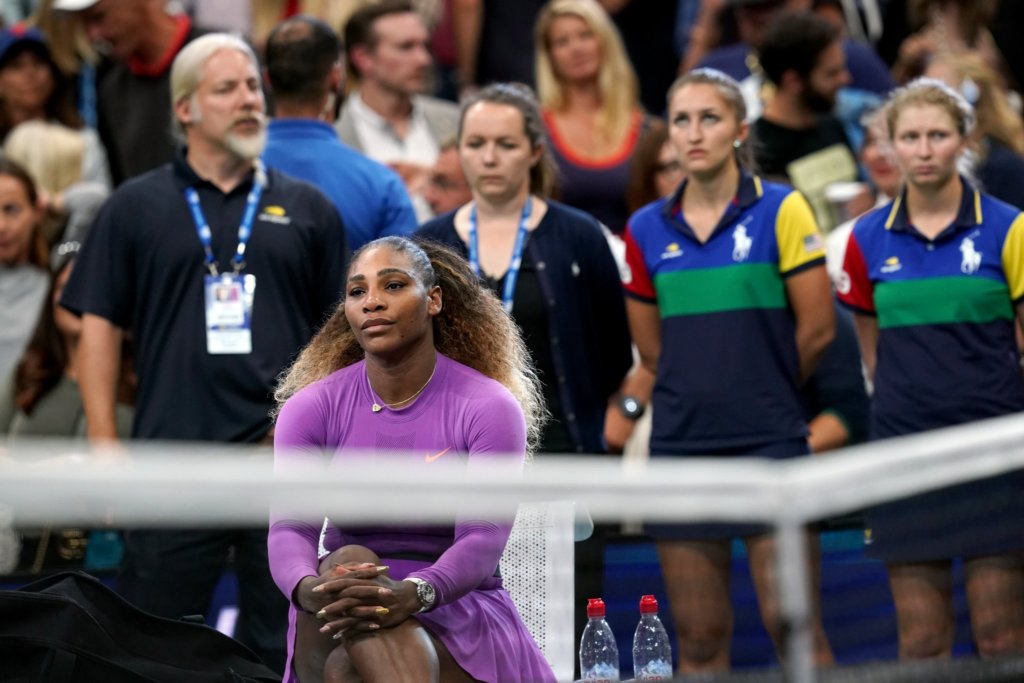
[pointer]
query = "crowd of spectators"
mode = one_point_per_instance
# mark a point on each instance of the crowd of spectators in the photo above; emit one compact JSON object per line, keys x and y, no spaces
{"x":152,"y":152}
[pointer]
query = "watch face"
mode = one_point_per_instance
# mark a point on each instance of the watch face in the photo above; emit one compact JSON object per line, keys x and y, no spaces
{"x":631,"y":407}
{"x":426,"y":594}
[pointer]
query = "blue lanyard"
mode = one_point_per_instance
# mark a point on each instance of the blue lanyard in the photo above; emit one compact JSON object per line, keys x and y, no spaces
{"x":244,"y":228}
{"x":517,"y":253}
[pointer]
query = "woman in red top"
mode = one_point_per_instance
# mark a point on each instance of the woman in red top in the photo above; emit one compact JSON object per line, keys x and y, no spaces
{"x":589,"y":94}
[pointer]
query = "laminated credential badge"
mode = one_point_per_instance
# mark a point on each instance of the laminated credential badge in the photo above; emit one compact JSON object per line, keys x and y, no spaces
{"x":229,"y":300}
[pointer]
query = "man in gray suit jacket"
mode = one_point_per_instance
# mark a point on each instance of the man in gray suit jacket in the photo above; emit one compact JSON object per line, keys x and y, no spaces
{"x":386,"y":117}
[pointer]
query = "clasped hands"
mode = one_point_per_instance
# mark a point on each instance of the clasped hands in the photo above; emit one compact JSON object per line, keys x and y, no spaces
{"x":357,"y":598}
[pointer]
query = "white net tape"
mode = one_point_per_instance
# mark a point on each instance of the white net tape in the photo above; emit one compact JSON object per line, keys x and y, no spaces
{"x":176,"y":484}
{"x":185,"y":484}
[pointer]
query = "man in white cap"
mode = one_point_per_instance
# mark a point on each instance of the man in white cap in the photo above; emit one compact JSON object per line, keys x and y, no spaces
{"x":139,"y":41}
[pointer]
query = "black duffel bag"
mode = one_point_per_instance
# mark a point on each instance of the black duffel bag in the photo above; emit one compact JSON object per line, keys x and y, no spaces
{"x":71,"y":628}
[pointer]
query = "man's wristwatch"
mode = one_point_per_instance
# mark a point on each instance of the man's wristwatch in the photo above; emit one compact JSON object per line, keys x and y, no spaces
{"x":631,"y":407}
{"x":425,"y":593}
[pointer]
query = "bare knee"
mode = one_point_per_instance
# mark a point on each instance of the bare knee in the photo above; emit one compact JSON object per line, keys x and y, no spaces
{"x":339,"y":669}
{"x":925,"y":641}
{"x":347,"y":554}
{"x":925,"y":635}
{"x":401,"y":654}
{"x":995,"y":594}
{"x":1000,"y":634}
{"x":999,"y":642}
{"x":923,"y":595}
{"x":697,"y":578}
{"x":703,"y":646}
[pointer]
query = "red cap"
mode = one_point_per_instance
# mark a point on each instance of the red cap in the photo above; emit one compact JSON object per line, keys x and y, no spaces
{"x":595,"y":607}
{"x":648,"y":605}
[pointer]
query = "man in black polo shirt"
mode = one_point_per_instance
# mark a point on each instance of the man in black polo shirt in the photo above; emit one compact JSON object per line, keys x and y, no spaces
{"x":221,"y":270}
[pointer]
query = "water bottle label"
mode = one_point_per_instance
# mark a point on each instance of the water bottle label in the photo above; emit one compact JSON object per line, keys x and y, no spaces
{"x":601,"y":673}
{"x":657,"y":670}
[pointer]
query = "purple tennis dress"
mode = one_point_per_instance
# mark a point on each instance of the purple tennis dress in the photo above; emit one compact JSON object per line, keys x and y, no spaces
{"x":461,"y":414}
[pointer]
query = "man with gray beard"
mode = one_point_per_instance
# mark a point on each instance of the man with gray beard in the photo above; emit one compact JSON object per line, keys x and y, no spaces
{"x":220,"y":269}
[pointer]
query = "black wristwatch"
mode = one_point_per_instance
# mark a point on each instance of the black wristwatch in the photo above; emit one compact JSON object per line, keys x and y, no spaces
{"x":425,"y":593}
{"x":631,"y":407}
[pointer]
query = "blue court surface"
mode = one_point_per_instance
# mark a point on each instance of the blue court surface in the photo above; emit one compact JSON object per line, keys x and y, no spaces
{"x":857,"y":606}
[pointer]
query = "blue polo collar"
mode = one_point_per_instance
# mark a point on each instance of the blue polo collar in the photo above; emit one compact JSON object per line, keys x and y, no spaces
{"x":968,"y":216}
{"x":748,"y":192}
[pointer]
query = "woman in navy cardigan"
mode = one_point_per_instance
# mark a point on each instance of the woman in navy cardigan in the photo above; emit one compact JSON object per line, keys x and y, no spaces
{"x":550,"y":264}
{"x":552,"y":267}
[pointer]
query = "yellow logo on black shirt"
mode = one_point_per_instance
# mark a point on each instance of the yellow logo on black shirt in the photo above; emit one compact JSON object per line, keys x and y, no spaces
{"x":275,"y":214}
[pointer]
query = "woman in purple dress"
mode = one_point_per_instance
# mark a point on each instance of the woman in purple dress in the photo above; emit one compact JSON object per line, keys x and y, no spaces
{"x":418,"y":363}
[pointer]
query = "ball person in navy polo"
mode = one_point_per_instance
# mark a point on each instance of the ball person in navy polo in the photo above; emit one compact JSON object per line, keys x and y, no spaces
{"x":936,"y":280}
{"x":730,"y":307}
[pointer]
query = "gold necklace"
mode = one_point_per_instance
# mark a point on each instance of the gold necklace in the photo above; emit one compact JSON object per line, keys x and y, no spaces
{"x":377,"y":407}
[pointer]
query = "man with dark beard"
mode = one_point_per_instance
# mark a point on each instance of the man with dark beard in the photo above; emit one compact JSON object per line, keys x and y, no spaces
{"x":802,"y":57}
{"x":221,"y":270}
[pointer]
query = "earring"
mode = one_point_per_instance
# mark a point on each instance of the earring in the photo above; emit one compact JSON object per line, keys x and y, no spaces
{"x":736,"y":144}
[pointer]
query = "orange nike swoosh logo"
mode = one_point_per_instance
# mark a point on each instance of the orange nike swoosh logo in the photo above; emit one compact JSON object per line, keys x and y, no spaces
{"x":435,"y":456}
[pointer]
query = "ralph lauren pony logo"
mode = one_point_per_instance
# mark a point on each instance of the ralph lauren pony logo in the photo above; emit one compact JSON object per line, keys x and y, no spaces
{"x":971,"y":261}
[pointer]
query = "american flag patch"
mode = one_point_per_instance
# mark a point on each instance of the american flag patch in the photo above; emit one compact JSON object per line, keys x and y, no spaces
{"x":813,"y":243}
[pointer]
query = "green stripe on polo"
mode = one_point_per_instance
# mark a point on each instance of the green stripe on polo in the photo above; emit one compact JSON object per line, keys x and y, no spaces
{"x":714,"y":290}
{"x":934,"y":301}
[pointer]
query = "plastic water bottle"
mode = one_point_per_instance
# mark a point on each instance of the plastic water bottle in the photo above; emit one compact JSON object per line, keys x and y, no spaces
{"x":652,"y":653}
{"x":599,"y":655}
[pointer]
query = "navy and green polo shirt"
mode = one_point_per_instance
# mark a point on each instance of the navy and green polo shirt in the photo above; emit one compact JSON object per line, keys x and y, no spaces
{"x":945,"y":308}
{"x":728,"y":368}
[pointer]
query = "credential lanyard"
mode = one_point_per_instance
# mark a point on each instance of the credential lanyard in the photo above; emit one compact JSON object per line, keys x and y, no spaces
{"x":244,"y":228}
{"x":512,"y":275}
